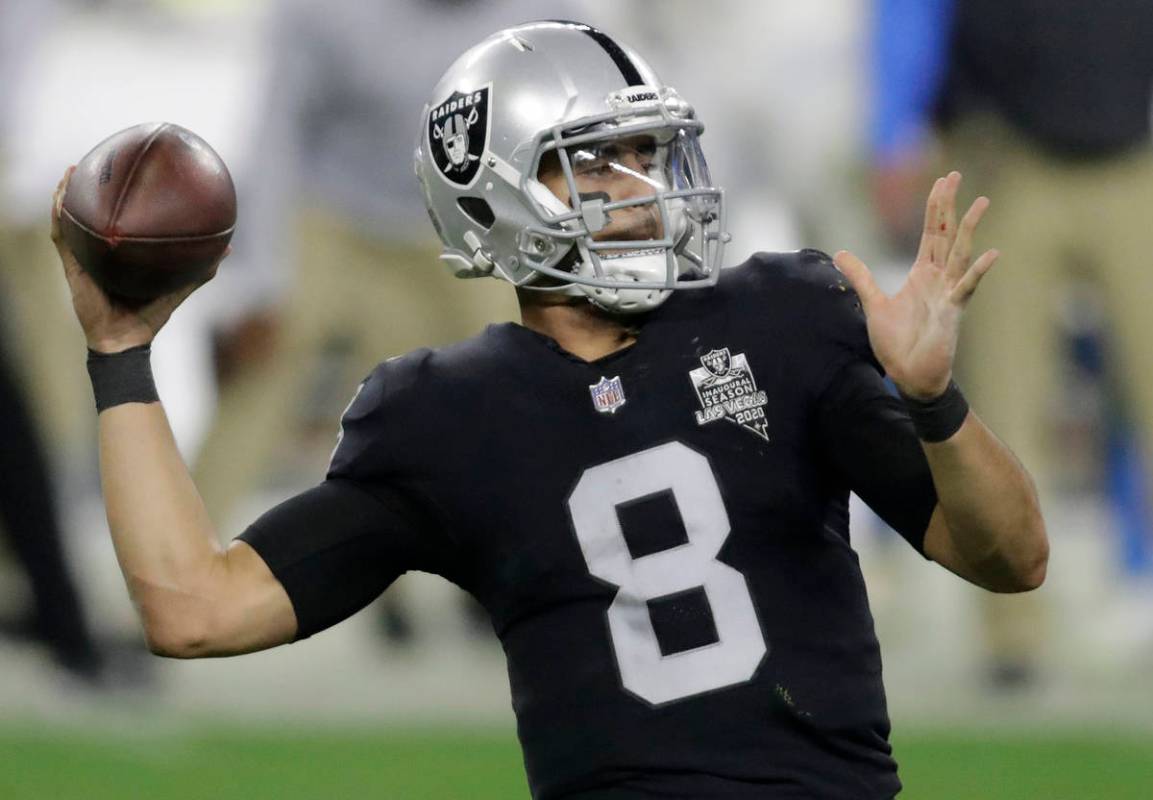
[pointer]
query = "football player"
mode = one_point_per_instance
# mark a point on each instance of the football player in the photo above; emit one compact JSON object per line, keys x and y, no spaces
{"x":645,"y":483}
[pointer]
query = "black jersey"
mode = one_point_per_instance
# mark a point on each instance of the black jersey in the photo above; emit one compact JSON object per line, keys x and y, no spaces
{"x":660,"y":536}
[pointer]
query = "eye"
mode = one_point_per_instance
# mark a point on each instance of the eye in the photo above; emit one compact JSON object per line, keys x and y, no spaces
{"x":588,"y":163}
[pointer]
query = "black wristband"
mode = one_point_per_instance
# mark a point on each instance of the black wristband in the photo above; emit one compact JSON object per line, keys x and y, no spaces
{"x":937,"y":419}
{"x":124,"y":377}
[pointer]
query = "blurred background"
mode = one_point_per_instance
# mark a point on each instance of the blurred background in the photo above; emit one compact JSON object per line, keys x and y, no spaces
{"x":826,"y":123}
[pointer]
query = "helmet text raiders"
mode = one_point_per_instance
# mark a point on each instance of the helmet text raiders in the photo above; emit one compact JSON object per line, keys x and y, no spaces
{"x":553,"y":157}
{"x":457,"y":134}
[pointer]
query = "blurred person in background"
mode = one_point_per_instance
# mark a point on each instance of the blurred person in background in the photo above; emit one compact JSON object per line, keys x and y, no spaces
{"x":140,"y":60}
{"x":152,"y":59}
{"x":30,"y":381}
{"x":30,"y":528}
{"x":1046,"y":107}
{"x":42,"y":339}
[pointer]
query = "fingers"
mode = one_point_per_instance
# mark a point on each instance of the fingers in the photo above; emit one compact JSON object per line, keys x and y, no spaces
{"x":859,"y":278}
{"x":935,"y":232}
{"x":929,"y":230}
{"x":58,"y":201}
{"x":72,"y":267}
{"x":965,"y":287}
{"x":963,"y":245}
{"x":940,"y":220}
{"x":946,"y":219}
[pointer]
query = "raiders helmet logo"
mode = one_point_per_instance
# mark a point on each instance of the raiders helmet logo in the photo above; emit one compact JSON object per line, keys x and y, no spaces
{"x":458,"y":133}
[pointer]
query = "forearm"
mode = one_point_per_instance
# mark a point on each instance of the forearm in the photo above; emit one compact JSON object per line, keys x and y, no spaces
{"x":989,"y":527}
{"x":164,"y":539}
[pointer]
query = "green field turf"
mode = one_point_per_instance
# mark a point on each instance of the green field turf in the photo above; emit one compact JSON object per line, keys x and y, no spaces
{"x":38,"y":763}
{"x":1042,"y":766}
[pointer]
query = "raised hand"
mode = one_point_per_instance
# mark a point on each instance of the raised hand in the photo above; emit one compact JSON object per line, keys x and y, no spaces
{"x":110,"y":326}
{"x":914,"y":332}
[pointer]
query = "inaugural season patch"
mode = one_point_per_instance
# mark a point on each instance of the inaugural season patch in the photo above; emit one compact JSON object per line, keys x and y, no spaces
{"x":458,"y":133}
{"x":727,"y":390}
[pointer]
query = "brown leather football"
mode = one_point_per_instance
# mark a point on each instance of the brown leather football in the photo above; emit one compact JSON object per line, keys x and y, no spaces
{"x":149,"y":210}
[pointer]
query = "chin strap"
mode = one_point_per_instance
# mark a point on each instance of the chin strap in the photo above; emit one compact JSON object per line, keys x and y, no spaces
{"x":650,"y":267}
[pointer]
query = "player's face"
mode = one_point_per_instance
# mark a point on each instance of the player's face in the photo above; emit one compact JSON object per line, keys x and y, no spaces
{"x":613,"y":170}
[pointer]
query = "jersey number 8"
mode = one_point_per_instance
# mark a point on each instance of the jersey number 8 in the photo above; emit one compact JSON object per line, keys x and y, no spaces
{"x":674,"y":467}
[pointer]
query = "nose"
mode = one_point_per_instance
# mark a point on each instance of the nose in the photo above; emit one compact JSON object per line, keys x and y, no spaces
{"x":633,"y":173}
{"x":630,"y":185}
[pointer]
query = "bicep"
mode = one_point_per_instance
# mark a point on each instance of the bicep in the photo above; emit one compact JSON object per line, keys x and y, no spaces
{"x":235,"y":606}
{"x":254,"y":612}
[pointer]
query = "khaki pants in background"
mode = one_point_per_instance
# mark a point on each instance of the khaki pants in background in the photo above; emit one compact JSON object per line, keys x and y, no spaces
{"x":356,"y":302}
{"x":1052,"y":219}
{"x":44,"y":340}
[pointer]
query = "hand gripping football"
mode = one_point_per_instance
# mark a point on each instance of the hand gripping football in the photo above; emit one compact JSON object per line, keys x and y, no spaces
{"x":149,"y":210}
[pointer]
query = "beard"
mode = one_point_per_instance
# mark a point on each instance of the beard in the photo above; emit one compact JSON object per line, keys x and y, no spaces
{"x":637,"y":223}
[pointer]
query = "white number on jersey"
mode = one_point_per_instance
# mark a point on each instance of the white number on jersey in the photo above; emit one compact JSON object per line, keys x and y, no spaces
{"x":687,"y":474}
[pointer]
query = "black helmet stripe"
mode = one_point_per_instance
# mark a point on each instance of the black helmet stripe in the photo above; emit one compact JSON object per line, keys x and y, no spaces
{"x":628,"y":69}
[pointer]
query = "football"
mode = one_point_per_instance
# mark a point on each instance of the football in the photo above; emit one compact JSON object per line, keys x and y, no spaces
{"x":149,"y":210}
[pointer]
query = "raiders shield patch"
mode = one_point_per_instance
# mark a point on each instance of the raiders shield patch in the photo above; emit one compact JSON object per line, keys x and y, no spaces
{"x":458,"y":133}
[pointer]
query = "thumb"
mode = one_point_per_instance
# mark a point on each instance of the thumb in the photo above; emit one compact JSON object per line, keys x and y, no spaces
{"x":72,"y":268}
{"x":58,"y":202}
{"x":859,"y":278}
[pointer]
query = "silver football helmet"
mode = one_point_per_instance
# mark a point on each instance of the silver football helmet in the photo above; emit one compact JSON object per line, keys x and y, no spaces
{"x":553,"y":157}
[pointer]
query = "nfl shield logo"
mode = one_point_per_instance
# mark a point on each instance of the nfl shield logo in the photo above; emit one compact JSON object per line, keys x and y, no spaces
{"x":608,"y":395}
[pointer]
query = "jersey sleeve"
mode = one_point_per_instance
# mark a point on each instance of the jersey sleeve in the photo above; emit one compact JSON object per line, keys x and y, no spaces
{"x":868,"y":440}
{"x":387,"y":430}
{"x":362,"y":426}
{"x":804,"y":306}
{"x":337,"y":546}
{"x":837,"y":322}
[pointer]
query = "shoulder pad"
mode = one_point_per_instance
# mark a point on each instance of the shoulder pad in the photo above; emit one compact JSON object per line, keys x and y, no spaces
{"x":805,"y":291}
{"x":796,"y":270}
